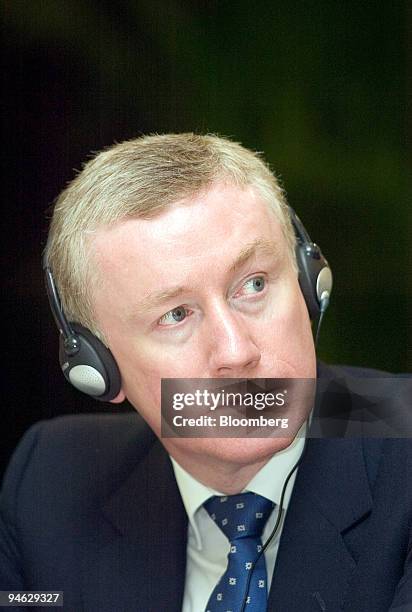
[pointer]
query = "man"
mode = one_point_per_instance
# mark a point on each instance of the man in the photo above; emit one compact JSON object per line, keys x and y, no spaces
{"x":178,"y":253}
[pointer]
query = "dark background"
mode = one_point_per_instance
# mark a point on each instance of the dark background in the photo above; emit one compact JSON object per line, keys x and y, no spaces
{"x":323,"y":88}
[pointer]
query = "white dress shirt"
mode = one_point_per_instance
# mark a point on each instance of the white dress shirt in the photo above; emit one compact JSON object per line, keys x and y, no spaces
{"x":207,"y":546}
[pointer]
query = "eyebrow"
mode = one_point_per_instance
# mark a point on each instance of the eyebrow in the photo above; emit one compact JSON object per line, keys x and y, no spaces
{"x":257,"y":247}
{"x":159,"y":297}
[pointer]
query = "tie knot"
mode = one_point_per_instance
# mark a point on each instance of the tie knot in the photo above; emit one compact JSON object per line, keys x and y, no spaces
{"x":240,"y":516}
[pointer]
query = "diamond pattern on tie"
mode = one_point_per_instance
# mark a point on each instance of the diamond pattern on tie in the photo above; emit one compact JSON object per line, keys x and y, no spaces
{"x":242,"y":519}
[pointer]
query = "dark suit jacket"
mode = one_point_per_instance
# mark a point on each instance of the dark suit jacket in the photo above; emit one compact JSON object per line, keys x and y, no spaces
{"x":90,"y":506}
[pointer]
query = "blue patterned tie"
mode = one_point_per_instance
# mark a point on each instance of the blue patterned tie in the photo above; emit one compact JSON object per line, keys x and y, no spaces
{"x":242,"y":519}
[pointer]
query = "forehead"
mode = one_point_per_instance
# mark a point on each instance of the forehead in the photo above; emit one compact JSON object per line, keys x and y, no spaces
{"x":192,"y":237}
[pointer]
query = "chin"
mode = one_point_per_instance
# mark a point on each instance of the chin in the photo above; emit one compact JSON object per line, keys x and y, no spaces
{"x":246,"y":451}
{"x":239,"y":451}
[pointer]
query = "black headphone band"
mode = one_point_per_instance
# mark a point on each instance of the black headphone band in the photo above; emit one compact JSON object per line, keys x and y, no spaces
{"x":85,"y":361}
{"x":301,"y":234}
{"x":90,"y":366}
{"x":55,"y":304}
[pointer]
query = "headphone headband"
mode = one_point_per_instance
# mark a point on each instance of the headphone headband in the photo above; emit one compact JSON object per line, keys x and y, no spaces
{"x":90,"y":366}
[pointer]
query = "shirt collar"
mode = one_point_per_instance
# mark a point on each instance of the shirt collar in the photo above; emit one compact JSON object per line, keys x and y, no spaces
{"x":268,"y":482}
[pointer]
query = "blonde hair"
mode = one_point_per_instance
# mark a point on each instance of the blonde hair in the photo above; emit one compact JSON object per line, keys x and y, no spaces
{"x":140,"y":178}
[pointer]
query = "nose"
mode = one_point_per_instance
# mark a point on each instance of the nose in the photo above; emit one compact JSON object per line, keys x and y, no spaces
{"x":233,"y":351}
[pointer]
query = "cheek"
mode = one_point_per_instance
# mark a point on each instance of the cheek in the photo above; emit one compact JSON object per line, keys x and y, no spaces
{"x":141,"y":384}
{"x":142,"y":368}
{"x":301,"y":336}
{"x":146,"y":360}
{"x":289,"y":338}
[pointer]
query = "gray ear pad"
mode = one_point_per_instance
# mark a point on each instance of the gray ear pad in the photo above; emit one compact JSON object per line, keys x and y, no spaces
{"x":92,"y":369}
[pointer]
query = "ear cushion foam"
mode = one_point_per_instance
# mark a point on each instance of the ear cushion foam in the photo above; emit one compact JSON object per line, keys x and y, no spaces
{"x":93,"y":369}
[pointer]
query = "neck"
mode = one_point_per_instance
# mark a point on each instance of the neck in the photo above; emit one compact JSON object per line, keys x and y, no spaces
{"x":229,"y":479}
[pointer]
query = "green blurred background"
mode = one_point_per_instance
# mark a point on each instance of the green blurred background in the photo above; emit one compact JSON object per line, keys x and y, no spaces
{"x":322,"y":88}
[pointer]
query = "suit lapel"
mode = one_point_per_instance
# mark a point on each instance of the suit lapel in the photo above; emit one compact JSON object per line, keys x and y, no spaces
{"x":330,"y":498}
{"x":137,"y":559}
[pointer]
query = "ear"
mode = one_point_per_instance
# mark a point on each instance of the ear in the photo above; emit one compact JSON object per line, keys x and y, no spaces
{"x":120,"y":397}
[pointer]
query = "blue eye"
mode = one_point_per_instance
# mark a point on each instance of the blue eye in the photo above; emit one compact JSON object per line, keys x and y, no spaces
{"x":176,"y":315}
{"x":254,"y":285}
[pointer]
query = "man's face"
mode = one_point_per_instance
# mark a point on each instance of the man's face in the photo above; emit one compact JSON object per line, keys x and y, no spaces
{"x":204,"y":290}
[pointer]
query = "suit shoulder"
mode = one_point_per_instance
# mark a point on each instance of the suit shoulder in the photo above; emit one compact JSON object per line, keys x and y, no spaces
{"x":343,"y":371}
{"x":100,"y":437}
{"x":83,"y":455}
{"x":100,"y":428}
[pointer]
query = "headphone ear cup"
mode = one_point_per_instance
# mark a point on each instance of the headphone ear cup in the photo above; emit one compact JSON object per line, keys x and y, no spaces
{"x":315,"y":276}
{"x":92,"y":369}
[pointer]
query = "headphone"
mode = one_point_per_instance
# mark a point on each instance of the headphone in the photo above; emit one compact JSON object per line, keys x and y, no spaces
{"x":315,"y":275}
{"x":90,"y":366}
